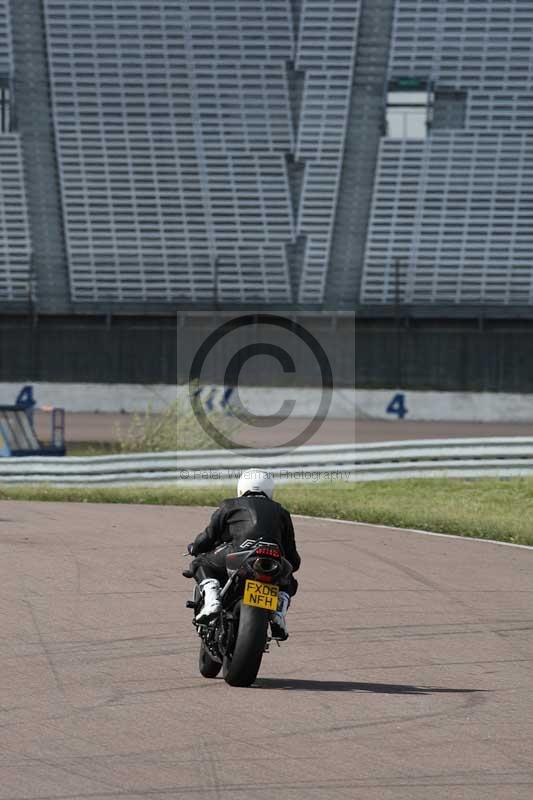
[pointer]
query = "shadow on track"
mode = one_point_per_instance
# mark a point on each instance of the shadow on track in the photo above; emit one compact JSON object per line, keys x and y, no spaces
{"x":302,"y":685}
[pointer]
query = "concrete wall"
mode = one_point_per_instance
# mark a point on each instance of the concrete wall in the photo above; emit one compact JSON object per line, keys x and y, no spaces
{"x":444,"y":406}
{"x":345,"y":403}
{"x":96,"y":397}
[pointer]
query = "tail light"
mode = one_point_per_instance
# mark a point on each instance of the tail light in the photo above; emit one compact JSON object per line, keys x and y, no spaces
{"x":269,"y":552}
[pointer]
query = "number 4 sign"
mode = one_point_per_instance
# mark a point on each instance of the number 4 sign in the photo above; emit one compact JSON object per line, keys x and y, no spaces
{"x":397,"y":406}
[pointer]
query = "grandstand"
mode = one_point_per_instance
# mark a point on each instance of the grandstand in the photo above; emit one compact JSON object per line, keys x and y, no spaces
{"x":174,"y":135}
{"x":320,"y":157}
{"x":455,"y":204}
{"x":15,"y":248}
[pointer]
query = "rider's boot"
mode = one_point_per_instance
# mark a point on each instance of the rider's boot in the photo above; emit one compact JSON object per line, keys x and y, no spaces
{"x":210,"y":589}
{"x":278,"y":623}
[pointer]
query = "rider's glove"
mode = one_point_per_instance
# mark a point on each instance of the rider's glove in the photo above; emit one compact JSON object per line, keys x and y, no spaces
{"x":190,"y":549}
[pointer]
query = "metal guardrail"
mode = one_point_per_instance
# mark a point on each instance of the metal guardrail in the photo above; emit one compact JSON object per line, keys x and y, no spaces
{"x":461,"y":458}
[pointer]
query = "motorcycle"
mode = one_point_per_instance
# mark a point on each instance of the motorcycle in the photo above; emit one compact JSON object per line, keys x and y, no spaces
{"x":237,"y":637}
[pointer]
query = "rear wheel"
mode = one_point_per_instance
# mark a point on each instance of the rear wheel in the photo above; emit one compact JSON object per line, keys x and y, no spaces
{"x":209,"y":668}
{"x":242,"y":667}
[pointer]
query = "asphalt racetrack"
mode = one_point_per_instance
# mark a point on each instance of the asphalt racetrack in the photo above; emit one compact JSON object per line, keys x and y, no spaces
{"x":408,"y":674}
{"x":85,"y":427}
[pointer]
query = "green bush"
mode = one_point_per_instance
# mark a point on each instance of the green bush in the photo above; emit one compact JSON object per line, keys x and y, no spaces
{"x":175,"y":428}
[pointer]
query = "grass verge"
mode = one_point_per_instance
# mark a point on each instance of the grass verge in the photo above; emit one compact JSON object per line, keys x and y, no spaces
{"x":489,"y":509}
{"x":83,"y":449}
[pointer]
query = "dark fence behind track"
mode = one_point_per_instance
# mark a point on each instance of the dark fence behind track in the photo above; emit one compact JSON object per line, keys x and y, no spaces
{"x":458,"y":356}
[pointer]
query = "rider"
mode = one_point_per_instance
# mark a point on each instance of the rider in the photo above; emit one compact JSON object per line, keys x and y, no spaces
{"x":252,"y":515}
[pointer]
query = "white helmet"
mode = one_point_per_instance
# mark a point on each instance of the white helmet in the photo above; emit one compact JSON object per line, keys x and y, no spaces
{"x":256,"y":481}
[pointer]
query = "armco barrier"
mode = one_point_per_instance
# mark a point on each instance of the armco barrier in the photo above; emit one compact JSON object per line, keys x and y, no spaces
{"x":498,"y":457}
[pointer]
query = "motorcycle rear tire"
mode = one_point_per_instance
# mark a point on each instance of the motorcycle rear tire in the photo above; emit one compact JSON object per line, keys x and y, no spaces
{"x":242,"y":668}
{"x":207,"y":665}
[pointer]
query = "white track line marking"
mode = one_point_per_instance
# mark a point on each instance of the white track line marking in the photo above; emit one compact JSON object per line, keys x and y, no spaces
{"x":414,"y":530}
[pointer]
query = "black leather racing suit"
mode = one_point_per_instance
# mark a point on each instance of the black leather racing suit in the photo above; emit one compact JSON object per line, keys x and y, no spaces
{"x":253,"y":517}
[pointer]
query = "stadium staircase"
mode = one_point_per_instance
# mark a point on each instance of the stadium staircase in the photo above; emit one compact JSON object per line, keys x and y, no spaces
{"x":35,"y":126}
{"x":365,"y":127}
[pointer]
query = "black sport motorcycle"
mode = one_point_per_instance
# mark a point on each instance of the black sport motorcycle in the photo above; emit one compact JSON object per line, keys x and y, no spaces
{"x":237,"y":637}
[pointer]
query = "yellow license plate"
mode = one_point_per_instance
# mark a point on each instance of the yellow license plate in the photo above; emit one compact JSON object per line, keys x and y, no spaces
{"x":261,"y":595}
